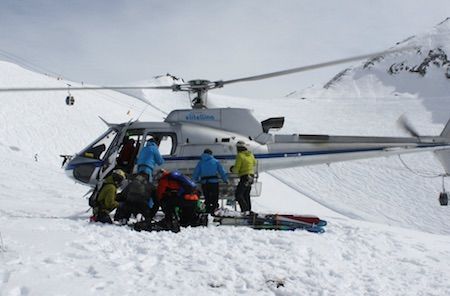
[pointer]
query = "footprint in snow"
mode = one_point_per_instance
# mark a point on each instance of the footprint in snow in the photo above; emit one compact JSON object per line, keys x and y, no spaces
{"x":20,"y":291}
{"x":5,"y":277}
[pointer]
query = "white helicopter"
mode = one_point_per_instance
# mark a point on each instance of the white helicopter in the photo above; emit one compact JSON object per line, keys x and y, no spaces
{"x":185,"y":134}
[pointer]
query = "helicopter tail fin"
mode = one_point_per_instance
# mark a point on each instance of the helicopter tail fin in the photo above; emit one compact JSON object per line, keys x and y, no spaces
{"x":444,"y":155}
{"x":444,"y":158}
{"x":446,"y":130}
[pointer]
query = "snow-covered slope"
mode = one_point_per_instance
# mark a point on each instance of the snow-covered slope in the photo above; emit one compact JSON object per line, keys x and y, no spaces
{"x":368,"y":100}
{"x":42,"y":123}
{"x":47,"y":247}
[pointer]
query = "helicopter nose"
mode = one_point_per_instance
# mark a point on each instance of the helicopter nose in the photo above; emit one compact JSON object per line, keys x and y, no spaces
{"x":69,"y":172}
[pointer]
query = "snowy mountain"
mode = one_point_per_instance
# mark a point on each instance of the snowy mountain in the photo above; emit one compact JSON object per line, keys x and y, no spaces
{"x":368,"y":100}
{"x":387,"y":233}
{"x":420,"y":73}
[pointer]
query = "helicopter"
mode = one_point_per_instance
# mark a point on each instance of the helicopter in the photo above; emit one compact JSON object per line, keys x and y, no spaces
{"x":185,"y":133}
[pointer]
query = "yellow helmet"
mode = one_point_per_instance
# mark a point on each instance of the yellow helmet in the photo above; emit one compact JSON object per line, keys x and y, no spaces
{"x":120,"y":173}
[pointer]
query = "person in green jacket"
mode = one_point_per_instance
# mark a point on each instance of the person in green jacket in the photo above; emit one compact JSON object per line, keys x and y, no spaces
{"x":244,"y":167}
{"x":106,"y":200}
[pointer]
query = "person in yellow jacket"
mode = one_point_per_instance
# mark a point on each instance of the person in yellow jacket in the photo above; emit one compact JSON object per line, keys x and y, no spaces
{"x":106,"y":200}
{"x":244,"y":167}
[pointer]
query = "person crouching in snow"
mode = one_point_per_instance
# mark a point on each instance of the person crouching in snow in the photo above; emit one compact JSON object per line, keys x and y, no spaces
{"x":106,"y":199}
{"x":206,"y":172}
{"x":175,"y":192}
{"x":136,"y":198}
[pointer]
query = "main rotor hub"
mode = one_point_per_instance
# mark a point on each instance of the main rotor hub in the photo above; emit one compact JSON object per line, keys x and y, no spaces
{"x":200,"y":87}
{"x":199,"y":83}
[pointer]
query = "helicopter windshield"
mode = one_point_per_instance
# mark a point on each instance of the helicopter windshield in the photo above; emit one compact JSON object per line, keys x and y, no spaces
{"x":98,"y":149}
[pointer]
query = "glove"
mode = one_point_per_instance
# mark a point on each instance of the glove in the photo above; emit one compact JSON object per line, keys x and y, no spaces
{"x":231,"y":168}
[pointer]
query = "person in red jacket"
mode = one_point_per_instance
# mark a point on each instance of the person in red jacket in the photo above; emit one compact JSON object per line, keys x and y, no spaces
{"x":126,"y":155}
{"x":176,"y":190}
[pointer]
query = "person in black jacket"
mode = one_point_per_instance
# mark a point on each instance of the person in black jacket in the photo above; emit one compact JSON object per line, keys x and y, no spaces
{"x":135,"y":199}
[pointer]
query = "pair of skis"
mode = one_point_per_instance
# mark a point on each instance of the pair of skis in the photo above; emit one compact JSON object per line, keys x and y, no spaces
{"x":272,"y":221}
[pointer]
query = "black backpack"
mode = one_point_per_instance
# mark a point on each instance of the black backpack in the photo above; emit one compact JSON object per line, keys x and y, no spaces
{"x":139,"y":190}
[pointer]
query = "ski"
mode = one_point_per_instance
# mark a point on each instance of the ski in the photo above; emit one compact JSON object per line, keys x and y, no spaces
{"x":272,"y":221}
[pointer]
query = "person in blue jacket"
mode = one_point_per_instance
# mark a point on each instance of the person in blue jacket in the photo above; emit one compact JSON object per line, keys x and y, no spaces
{"x":148,"y":158}
{"x":206,"y":172}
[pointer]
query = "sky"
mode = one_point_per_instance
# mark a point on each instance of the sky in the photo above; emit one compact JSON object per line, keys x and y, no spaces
{"x":111,"y":42}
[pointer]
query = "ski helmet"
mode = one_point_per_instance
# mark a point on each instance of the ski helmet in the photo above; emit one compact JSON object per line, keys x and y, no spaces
{"x":241,"y":146}
{"x":118,"y":173}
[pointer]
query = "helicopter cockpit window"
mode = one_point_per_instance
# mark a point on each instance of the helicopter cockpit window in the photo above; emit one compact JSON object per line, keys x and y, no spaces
{"x":100,"y":147}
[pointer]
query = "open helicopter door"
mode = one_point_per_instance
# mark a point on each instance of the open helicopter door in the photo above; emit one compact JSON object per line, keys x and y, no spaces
{"x":111,"y":156}
{"x":99,"y":158}
{"x":87,"y":164}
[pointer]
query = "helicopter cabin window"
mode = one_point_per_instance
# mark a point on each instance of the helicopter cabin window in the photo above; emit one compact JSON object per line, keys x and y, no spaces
{"x":101,"y":146}
{"x":165,"y":142}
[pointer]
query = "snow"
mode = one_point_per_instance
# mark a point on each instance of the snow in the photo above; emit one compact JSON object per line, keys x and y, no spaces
{"x":387,"y":234}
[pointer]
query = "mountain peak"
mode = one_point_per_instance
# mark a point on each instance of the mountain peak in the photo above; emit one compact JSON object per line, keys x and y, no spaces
{"x":421,"y":71}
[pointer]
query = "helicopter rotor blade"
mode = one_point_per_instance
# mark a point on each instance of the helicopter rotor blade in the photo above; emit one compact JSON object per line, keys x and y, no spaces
{"x":201,"y":86}
{"x":70,"y":88}
{"x":310,"y":67}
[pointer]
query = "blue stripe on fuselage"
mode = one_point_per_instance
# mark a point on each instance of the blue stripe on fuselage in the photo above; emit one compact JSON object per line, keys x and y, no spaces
{"x":293,"y":154}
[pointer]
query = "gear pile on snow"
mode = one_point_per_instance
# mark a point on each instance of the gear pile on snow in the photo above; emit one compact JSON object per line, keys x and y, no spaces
{"x":271,"y":221}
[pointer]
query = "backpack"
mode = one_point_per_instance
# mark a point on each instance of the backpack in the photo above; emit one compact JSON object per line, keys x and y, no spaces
{"x":187,"y":184}
{"x":139,"y":190}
